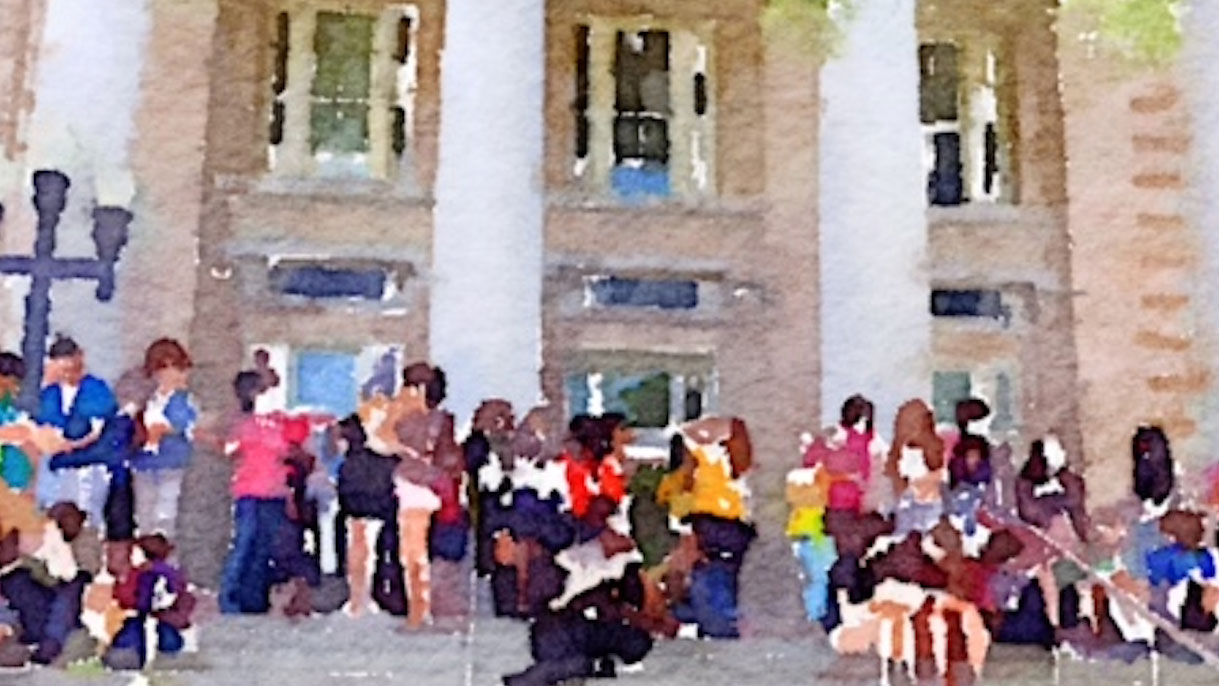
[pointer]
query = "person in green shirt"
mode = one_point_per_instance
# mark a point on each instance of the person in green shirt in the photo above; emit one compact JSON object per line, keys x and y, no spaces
{"x":16,"y":469}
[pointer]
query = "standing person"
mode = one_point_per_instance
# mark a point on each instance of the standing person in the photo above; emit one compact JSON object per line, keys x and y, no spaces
{"x":169,"y":420}
{"x":79,"y":405}
{"x":366,"y":506}
{"x":260,"y":499}
{"x":489,"y":460}
{"x":421,"y":434}
{"x":113,"y":451}
{"x":719,"y":515}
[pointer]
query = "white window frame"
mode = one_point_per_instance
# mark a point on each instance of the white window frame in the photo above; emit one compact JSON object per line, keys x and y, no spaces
{"x":650,"y":443}
{"x":692,"y":138}
{"x":283,"y":359}
{"x":978,"y":105}
{"x":391,"y":85}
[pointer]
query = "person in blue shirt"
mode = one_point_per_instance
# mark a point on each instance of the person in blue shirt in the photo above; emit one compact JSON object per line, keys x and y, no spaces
{"x":169,"y":416}
{"x":79,"y":406}
{"x":113,"y":451}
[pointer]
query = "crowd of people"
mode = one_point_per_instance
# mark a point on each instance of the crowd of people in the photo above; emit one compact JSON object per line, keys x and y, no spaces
{"x":925,"y":550}
{"x":88,"y":509}
{"x":601,"y":555}
{"x":928,"y":549}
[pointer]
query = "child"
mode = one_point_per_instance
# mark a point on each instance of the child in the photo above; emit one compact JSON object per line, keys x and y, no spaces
{"x":154,"y":591}
{"x":169,"y":417}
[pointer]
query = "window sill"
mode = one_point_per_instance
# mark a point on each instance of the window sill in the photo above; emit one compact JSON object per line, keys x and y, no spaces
{"x":977,"y":213}
{"x":334,"y":187}
{"x":666,"y":205}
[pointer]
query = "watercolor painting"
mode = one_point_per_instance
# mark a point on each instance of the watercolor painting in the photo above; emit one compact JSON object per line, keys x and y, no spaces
{"x":540,"y":342}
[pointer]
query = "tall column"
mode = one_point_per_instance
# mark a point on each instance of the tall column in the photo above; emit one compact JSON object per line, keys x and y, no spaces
{"x":87,"y":91}
{"x":1200,"y":70}
{"x":875,"y":321}
{"x":487,"y":257}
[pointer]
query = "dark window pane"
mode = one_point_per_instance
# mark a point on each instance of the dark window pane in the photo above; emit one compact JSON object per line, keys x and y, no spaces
{"x":944,"y":184}
{"x":700,"y":94}
{"x":339,"y":127}
{"x":662,"y":294}
{"x":583,"y":35}
{"x":398,"y":134}
{"x":402,"y":49}
{"x":967,"y":303}
{"x":343,"y":49}
{"x":693,"y":405}
{"x":654,"y":140}
{"x":277,"y":122}
{"x":279,"y":75}
{"x":939,"y":84}
{"x":328,"y":282}
{"x":626,"y":139}
{"x":991,"y":170}
{"x":949,"y":388}
{"x":641,"y":72}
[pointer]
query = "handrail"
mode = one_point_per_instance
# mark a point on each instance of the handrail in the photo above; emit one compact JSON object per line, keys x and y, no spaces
{"x":1127,"y":599}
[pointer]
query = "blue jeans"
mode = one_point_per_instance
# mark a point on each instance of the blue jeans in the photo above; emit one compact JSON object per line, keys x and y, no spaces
{"x":816,"y":557}
{"x":246,"y":582}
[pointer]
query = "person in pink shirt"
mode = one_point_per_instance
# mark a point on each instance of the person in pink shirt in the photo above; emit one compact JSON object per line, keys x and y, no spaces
{"x":259,"y":446}
{"x":848,"y":452}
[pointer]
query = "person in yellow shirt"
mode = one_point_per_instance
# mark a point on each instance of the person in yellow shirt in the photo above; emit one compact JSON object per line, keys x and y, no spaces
{"x":721,"y":454}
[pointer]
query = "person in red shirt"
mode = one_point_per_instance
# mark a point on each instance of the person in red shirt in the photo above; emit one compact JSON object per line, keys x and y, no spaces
{"x":259,"y":445}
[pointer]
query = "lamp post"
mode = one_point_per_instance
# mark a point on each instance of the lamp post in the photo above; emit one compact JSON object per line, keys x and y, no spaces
{"x":110,"y":230}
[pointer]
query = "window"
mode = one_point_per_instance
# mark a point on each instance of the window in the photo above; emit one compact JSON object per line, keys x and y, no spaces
{"x":959,"y":109}
{"x":948,"y":389}
{"x":991,"y":384}
{"x":342,"y":86}
{"x":324,"y":380}
{"x":643,"y":111}
{"x":318,"y":281}
{"x":655,"y":392}
{"x":662,"y":294}
{"x":328,"y":380}
{"x":986,"y":304}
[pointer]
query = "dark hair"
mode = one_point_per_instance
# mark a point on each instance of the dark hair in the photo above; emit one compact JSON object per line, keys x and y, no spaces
{"x":165,"y":353}
{"x":971,"y":410}
{"x":351,"y":429}
{"x":739,"y":447}
{"x":958,"y":467}
{"x":1153,"y":464}
{"x":856,"y":408}
{"x":63,"y":347}
{"x":69,"y":518}
{"x":433,"y":379}
{"x":677,"y":452}
{"x":1037,"y":468}
{"x":155,"y":546}
{"x":12,"y":366}
{"x":247,"y":385}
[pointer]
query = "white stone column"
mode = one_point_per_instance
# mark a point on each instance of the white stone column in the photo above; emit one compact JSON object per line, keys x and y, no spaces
{"x":485,"y":307}
{"x":1200,"y":80}
{"x":87,"y":91}
{"x":875,"y":321}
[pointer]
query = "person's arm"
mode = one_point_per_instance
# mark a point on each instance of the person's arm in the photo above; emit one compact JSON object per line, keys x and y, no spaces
{"x":181,"y":413}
